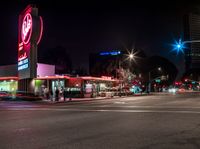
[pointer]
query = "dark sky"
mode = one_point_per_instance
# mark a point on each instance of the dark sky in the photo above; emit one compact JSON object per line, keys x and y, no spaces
{"x":91,"y":26}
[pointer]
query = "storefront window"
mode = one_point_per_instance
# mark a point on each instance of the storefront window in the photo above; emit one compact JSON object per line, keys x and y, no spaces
{"x":8,"y":86}
{"x":102,"y":86}
{"x":88,"y":88}
{"x":58,"y":84}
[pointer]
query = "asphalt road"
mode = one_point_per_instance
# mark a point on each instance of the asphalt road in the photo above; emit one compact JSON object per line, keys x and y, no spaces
{"x":163,"y":121}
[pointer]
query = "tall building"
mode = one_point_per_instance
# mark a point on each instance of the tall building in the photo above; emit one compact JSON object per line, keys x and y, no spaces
{"x":104,"y":63}
{"x":113,"y":63}
{"x":192,"y":52}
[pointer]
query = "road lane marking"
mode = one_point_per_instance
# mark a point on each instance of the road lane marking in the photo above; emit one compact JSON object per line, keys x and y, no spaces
{"x":105,"y":110}
{"x":110,"y":105}
{"x":127,"y":106}
{"x":119,"y":102}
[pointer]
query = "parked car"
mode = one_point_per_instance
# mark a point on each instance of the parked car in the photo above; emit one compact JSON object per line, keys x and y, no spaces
{"x":4,"y":93}
{"x":21,"y":95}
{"x":172,"y":89}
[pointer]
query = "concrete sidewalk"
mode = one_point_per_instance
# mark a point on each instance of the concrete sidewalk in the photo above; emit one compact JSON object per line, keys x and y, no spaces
{"x":61,"y":100}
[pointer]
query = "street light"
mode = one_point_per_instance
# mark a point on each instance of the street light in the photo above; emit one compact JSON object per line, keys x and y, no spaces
{"x":131,"y":56}
{"x":159,"y":69}
{"x":180,"y":45}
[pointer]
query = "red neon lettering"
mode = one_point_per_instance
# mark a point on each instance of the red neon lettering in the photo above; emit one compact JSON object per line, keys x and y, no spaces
{"x":20,"y":48}
{"x":20,"y":44}
{"x":26,"y":28}
{"x":23,"y":56}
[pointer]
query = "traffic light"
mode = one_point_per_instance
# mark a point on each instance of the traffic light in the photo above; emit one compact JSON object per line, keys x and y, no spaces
{"x":178,"y":46}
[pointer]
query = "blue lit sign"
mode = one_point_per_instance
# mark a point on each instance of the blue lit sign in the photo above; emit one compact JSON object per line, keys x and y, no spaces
{"x":23,"y":64}
{"x":110,"y":53}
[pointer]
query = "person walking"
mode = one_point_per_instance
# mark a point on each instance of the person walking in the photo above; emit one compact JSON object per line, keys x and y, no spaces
{"x":46,"y":93}
{"x":57,"y":94}
{"x":51,"y":95}
{"x":64,"y":94}
{"x":70,"y":94}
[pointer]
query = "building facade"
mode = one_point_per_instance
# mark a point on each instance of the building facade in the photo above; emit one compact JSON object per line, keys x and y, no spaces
{"x":105,"y":63}
{"x":192,"y":50}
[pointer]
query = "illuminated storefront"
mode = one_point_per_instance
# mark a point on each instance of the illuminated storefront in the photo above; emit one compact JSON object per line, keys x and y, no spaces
{"x":33,"y":77}
{"x":86,"y":86}
{"x":50,"y":83}
{"x":8,"y":84}
{"x":98,"y":86}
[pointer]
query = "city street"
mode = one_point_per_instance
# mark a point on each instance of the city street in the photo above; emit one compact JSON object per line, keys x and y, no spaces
{"x":159,"y":121}
{"x":100,"y":75}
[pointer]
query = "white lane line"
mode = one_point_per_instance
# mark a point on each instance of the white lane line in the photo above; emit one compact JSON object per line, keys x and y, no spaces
{"x":119,"y":102}
{"x":102,"y":110}
{"x":127,"y":106}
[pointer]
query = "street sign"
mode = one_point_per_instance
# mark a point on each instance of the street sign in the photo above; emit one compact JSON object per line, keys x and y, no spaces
{"x":158,"y":80}
{"x":163,"y":77}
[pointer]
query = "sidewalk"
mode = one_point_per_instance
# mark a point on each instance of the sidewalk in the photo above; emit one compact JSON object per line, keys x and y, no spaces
{"x":61,"y":100}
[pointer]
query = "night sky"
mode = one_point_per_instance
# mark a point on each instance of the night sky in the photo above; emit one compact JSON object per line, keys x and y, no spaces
{"x":92,"y":26}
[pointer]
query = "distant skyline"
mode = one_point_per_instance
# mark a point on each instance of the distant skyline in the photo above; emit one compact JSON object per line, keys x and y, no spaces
{"x":85,"y":27}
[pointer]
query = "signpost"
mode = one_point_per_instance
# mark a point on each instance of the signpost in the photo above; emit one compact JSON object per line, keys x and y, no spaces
{"x":30,"y":30}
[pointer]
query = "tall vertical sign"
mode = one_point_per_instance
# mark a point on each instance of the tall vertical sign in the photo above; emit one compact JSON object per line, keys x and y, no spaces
{"x":29,"y":35}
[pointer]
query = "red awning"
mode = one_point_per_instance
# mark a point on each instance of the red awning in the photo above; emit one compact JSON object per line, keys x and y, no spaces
{"x":52,"y":77}
{"x":8,"y":78}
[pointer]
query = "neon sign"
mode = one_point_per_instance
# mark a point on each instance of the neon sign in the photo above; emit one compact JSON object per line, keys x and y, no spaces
{"x":41,"y":30}
{"x":22,"y":56}
{"x":23,"y":64}
{"x":24,"y":46}
{"x":29,"y":35}
{"x":110,"y":53}
{"x":26,"y":30}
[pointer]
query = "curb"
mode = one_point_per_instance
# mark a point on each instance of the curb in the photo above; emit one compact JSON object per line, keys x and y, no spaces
{"x":92,"y":99}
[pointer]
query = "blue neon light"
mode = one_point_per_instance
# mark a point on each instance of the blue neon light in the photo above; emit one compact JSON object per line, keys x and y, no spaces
{"x":23,"y":67}
{"x":178,"y":46}
{"x":111,"y":53}
{"x":23,"y":64}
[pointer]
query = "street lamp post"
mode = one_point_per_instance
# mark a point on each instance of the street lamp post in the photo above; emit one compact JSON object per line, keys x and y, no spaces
{"x":179,"y":46}
{"x":130,"y":56}
{"x":190,"y":41}
{"x":149,"y":87}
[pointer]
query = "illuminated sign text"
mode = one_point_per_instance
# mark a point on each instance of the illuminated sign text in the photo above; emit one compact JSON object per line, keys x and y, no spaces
{"x":26,"y":30}
{"x":110,"y":53}
{"x":23,"y":64}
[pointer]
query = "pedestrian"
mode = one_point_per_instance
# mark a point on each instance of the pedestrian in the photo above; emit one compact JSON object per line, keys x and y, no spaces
{"x":65,"y":94}
{"x":57,"y":94}
{"x":46,"y":93}
{"x":51,"y":95}
{"x":70,"y":94}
